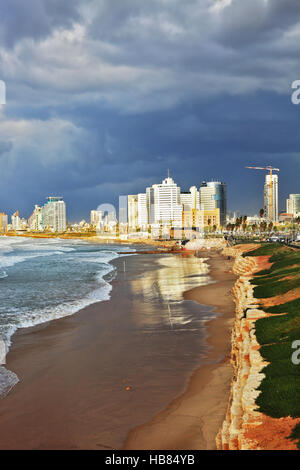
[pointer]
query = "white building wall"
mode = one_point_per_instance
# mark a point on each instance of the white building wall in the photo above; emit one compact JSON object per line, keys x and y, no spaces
{"x":293,"y":205}
{"x":132,"y":210}
{"x":142,"y":210}
{"x":167,"y":206}
{"x":96,"y":217}
{"x":55,"y":215}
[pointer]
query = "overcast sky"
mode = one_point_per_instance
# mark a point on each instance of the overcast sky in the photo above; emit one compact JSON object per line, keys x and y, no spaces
{"x":103,"y":96}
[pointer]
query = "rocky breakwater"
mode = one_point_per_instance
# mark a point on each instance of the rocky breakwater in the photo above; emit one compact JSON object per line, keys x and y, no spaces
{"x":206,"y":244}
{"x":242,"y":415}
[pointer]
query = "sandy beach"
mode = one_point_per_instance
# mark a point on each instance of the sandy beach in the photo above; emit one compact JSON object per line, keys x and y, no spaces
{"x":74,"y":371}
{"x":193,"y":419}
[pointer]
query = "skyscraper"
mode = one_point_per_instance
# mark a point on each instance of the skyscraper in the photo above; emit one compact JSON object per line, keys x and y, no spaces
{"x":132,"y":211}
{"x":271,"y":198}
{"x":54,"y":214}
{"x":142,"y":210}
{"x":96,"y":217}
{"x":16,"y":221}
{"x":213,"y":196}
{"x":163,"y":203}
{"x":3,"y":222}
{"x":293,"y":205}
{"x":35,"y":221}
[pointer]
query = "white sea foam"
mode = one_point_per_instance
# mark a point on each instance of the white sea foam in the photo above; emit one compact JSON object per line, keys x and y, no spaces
{"x":8,"y":380}
{"x":19,"y":317}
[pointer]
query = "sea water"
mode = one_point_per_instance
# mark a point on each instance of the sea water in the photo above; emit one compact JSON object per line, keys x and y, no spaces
{"x":46,"y":279}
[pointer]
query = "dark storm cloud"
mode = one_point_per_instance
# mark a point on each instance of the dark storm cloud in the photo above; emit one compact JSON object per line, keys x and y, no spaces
{"x":112,"y":93}
{"x":34,"y":19}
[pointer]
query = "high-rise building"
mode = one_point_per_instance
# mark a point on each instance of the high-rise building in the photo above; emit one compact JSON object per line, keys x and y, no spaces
{"x":16,"y":221}
{"x":150,"y":204}
{"x":190,"y":200}
{"x":164,"y":205}
{"x":213,"y":196}
{"x":3,"y":222}
{"x":186,"y":201}
{"x":132,"y":201}
{"x":96,"y":217}
{"x":142,"y":210}
{"x":54,"y":214}
{"x":271,"y":198}
{"x":293,"y":205}
{"x":35,"y":221}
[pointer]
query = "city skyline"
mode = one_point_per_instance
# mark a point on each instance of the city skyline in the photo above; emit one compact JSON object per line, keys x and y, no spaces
{"x":199,"y":87}
{"x":163,"y":203}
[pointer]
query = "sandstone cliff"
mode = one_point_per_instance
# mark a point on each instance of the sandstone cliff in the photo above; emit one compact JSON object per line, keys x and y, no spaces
{"x":245,"y":427}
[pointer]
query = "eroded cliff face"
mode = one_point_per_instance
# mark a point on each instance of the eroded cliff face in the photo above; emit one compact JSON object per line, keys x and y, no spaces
{"x":245,"y":427}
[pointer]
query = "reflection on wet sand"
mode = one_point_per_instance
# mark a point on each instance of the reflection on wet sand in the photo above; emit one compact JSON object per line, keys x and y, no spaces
{"x":158,"y":296}
{"x":76,"y":371}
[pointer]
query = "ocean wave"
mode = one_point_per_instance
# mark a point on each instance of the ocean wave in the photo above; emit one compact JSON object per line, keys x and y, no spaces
{"x":36,"y":317}
{"x":8,"y":261}
{"x":23,"y":318}
{"x":8,"y":380}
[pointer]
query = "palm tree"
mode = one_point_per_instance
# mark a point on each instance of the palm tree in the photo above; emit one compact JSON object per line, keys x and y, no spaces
{"x":263,"y":226}
{"x":244,"y":224}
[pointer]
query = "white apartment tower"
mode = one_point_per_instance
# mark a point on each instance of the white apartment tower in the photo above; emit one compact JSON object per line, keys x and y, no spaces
{"x":54,"y":214}
{"x":35,"y":221}
{"x":142,"y":210}
{"x":271,"y":198}
{"x":190,"y":200}
{"x":293,"y":205}
{"x":16,"y":221}
{"x":96,"y":217}
{"x":165,"y":206}
{"x":132,"y":202}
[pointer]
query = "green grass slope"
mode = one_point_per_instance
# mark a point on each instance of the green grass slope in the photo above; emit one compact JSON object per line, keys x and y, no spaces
{"x":280,"y":390}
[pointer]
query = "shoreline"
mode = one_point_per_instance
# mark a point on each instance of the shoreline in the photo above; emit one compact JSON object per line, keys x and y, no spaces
{"x":192,"y":420}
{"x":94,"y":239}
{"x":56,"y":363}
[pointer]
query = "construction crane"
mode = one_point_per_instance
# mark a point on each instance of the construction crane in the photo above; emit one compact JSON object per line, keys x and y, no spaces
{"x":270,"y":169}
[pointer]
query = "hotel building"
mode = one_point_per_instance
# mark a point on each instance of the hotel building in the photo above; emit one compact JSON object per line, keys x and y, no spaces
{"x":164,"y":206}
{"x":212,"y":197}
{"x":54,"y":214}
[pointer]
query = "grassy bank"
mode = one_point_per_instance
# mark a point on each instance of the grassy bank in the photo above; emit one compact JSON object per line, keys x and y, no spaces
{"x":281,"y":386}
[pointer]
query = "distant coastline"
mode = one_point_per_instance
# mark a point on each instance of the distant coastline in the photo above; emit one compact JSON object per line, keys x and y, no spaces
{"x":93,"y":237}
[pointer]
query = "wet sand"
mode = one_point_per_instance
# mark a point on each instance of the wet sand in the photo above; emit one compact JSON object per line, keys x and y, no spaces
{"x":74,"y":371}
{"x":193,"y":419}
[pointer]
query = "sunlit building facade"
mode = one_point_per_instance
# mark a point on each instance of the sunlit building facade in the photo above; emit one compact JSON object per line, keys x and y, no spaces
{"x":54,"y":214}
